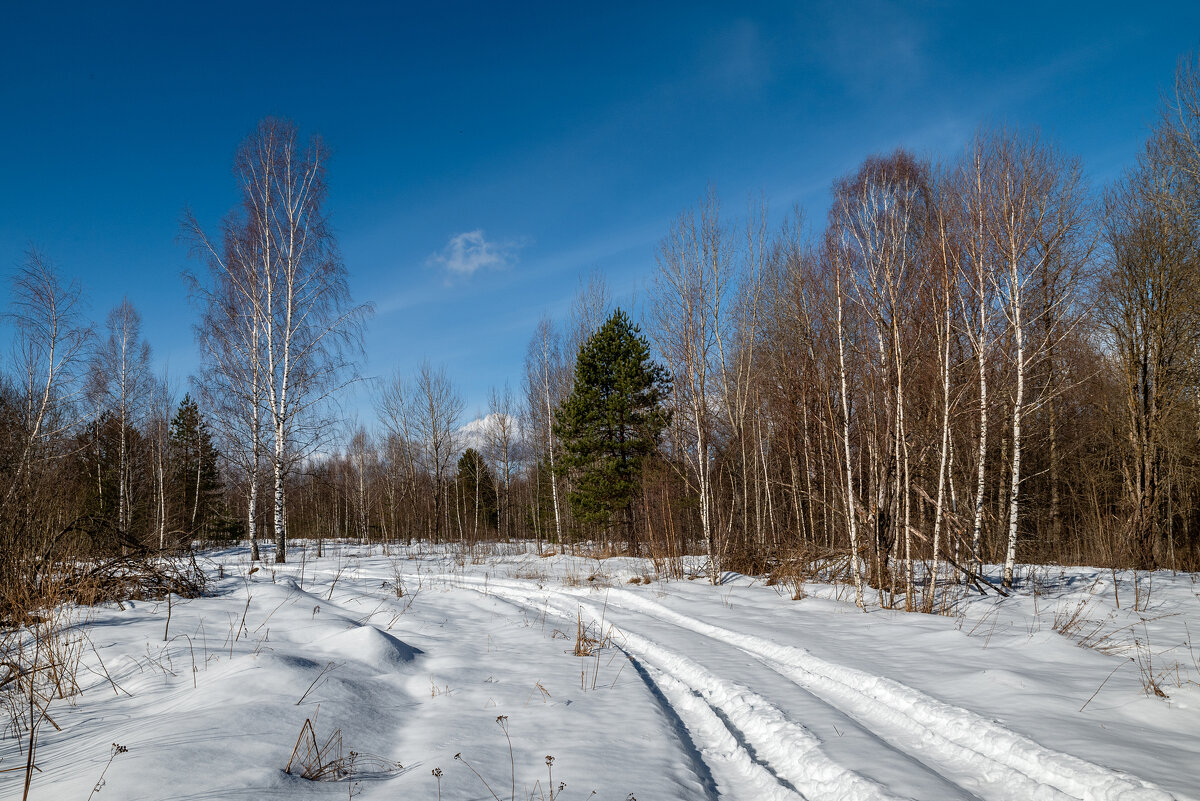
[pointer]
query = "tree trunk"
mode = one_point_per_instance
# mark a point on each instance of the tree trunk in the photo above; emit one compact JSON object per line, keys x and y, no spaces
{"x":1010,"y":555}
{"x":858,"y":592}
{"x":280,"y":522}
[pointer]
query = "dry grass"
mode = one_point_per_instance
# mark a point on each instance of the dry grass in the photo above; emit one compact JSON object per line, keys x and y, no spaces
{"x":329,"y":762}
{"x":42,"y":644}
{"x":573,"y":579}
{"x":529,"y":573}
{"x":585,"y":645}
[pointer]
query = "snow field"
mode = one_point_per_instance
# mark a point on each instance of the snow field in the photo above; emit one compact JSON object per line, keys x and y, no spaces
{"x":691,"y":691}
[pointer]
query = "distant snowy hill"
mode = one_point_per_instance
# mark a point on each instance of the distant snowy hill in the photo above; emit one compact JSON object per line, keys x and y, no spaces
{"x":475,"y":434}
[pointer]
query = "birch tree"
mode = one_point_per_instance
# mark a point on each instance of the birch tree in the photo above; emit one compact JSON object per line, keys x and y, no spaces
{"x":230,"y":335}
{"x":544,"y":389}
{"x":1038,"y":210}
{"x":502,"y":438}
{"x":944,"y":283}
{"x":692,"y":287}
{"x":844,"y":397}
{"x":120,"y":382}
{"x":302,"y":321}
{"x":977,"y":305}
{"x":879,"y":221}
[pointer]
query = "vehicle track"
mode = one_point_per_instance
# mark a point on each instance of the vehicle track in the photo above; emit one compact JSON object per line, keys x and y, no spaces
{"x":979,"y":755}
{"x":752,"y":749}
{"x":930,"y":724}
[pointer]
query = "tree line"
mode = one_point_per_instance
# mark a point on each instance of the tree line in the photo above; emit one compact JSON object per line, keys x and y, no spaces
{"x":968,"y":362}
{"x":977,"y":361}
{"x":97,"y":456}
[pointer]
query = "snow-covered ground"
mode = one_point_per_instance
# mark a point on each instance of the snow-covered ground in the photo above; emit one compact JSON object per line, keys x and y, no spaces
{"x":430,"y":661}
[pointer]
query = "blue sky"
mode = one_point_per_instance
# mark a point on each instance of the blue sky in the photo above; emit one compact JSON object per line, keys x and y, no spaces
{"x":487,"y":155}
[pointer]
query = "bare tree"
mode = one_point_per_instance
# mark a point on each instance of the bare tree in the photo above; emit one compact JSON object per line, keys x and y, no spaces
{"x":438,"y":408}
{"x":736,"y":351}
{"x":946,"y":268}
{"x":544,"y":388}
{"x":503,"y":437}
{"x":977,"y":303}
{"x":593,"y":305}
{"x":844,"y":397}
{"x":880,"y":221}
{"x":397,"y":407}
{"x":120,"y":381}
{"x":40,"y":409}
{"x":363,"y":459}
{"x":307,"y":326}
{"x":1179,"y":132}
{"x":230,"y":335}
{"x":691,"y":298}
{"x":1149,"y":313}
{"x":50,"y":348}
{"x":1038,"y":211}
{"x":161,"y":403}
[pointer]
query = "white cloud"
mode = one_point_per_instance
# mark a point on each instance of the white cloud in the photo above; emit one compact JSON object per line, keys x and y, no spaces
{"x":470,"y":251}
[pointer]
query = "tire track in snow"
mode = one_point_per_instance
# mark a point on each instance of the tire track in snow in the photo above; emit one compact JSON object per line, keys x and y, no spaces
{"x":950,"y":739}
{"x":695,"y":757}
{"x":752,"y":749}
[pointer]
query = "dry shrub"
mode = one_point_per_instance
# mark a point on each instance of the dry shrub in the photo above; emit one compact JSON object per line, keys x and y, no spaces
{"x":41,"y":643}
{"x":92,"y":581}
{"x":328,"y":762}
{"x":748,"y":561}
{"x":795,"y":568}
{"x":138,"y":578}
{"x":611,"y":550}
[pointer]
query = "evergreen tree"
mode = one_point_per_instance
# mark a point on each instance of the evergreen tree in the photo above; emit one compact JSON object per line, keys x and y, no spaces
{"x":611,"y":422}
{"x":195,"y":481}
{"x":477,"y":493}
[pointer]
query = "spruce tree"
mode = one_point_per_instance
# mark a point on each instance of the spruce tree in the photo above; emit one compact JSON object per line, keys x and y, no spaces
{"x":195,"y":480}
{"x":611,"y":423}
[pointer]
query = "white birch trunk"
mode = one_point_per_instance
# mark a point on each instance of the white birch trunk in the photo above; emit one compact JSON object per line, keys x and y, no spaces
{"x":280,"y":523}
{"x":858,"y":591}
{"x":981,"y":471}
{"x":550,"y":444}
{"x":1014,"y":492}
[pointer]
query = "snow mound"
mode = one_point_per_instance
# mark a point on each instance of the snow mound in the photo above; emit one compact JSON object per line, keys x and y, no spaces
{"x":370,"y":646}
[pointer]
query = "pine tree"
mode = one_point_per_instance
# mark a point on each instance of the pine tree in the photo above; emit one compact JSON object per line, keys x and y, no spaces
{"x":611,"y":423}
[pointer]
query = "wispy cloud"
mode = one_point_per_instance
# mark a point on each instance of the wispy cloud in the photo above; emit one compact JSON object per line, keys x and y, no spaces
{"x":471,"y":251}
{"x":741,"y":63}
